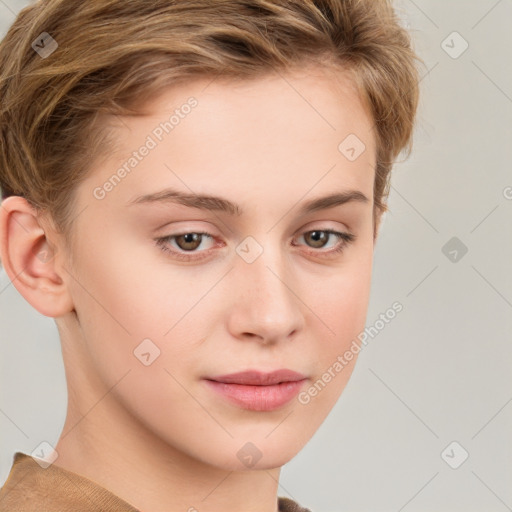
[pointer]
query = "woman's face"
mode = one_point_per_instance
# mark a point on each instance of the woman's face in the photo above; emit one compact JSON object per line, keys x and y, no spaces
{"x":171,"y":292}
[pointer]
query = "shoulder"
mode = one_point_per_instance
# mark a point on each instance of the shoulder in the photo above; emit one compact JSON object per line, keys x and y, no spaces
{"x":32,"y":488}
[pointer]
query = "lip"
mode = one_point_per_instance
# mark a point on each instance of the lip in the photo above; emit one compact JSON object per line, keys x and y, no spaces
{"x":257,"y":378}
{"x":258,"y":391}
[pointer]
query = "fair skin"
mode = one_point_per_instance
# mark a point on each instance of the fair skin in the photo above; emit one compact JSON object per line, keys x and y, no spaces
{"x":157,"y":435}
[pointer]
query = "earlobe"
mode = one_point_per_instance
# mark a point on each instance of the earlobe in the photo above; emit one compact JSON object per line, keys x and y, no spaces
{"x":28,"y":257}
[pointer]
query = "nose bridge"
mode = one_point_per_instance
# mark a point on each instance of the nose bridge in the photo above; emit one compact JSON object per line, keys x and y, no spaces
{"x":265,"y":302}
{"x":264,"y":264}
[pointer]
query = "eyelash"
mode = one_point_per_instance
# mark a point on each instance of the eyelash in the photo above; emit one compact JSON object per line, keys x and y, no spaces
{"x":161,"y":242}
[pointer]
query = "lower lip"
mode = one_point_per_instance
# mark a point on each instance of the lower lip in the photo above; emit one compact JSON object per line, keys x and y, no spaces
{"x":258,"y":398}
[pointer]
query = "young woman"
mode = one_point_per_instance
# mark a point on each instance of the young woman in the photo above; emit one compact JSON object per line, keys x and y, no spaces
{"x":193,"y":190}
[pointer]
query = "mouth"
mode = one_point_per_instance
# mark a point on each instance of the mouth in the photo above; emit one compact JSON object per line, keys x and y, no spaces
{"x":258,"y":391}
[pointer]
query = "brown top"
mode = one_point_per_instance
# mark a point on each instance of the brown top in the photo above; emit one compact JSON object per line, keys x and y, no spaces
{"x":32,"y":488}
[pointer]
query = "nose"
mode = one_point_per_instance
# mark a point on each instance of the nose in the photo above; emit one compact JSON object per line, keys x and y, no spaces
{"x":266,"y":304}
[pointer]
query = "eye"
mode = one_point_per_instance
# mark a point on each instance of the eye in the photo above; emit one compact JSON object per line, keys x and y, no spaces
{"x":317,"y":239}
{"x":186,"y":242}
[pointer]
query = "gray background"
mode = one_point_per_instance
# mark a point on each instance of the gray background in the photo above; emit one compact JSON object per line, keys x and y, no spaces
{"x":440,"y":371}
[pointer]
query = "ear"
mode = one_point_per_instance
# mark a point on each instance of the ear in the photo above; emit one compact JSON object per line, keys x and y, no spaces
{"x":28,"y":258}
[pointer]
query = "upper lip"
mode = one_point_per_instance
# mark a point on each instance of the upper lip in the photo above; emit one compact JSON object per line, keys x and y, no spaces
{"x":257,"y":378}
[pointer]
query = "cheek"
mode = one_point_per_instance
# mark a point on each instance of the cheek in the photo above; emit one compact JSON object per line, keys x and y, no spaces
{"x":127,"y":294}
{"x":342,"y":301}
{"x":343,"y":308}
{"x":110,"y":301}
{"x":122,"y":286}
{"x":344,"y":311}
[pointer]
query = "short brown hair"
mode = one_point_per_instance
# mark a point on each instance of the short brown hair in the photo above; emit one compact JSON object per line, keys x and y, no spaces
{"x":114,"y":53}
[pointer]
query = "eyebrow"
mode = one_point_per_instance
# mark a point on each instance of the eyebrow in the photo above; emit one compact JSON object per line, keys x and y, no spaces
{"x":216,"y":203}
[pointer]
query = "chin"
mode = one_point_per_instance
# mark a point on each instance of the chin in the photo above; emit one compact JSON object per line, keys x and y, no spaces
{"x":253,"y":456}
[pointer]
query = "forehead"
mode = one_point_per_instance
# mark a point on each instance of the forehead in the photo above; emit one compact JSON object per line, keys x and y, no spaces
{"x":280,"y":132}
{"x":324,"y":100}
